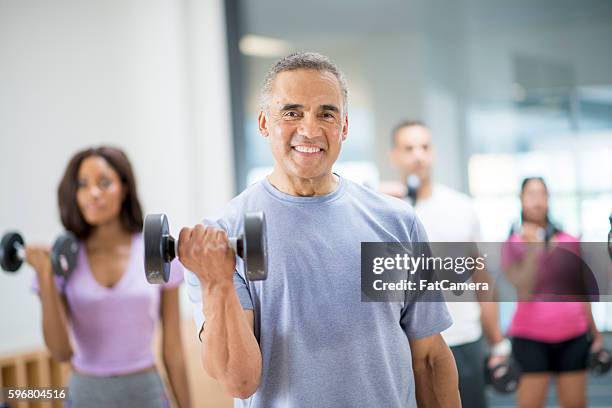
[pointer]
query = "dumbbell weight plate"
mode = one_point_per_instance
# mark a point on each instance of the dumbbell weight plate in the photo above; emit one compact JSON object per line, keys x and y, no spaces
{"x":64,"y":254}
{"x":600,"y":362}
{"x":504,"y":377}
{"x":9,"y":256}
{"x":255,"y":246}
{"x":156,"y":233}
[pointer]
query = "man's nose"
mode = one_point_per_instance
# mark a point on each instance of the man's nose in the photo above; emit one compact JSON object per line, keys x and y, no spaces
{"x":419,"y":153}
{"x":309,"y":127}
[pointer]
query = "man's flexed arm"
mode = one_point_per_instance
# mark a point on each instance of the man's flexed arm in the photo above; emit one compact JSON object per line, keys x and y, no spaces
{"x":230,"y":352}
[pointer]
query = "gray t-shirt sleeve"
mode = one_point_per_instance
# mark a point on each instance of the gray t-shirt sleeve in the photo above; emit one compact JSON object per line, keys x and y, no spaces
{"x":427,"y":314}
{"x":422,"y":319}
{"x":241,"y":286}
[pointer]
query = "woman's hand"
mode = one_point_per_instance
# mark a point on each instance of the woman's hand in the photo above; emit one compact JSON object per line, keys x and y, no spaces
{"x":598,"y":342}
{"x":38,"y":257}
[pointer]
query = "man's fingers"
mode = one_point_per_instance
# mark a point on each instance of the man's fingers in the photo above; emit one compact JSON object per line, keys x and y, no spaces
{"x":195,"y":242}
{"x":220,"y":236}
{"x":198,"y":235}
{"x":184,"y":239}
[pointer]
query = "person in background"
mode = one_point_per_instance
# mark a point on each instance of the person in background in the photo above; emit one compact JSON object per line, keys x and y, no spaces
{"x":449,"y":216}
{"x":550,"y":340}
{"x":102,"y":317}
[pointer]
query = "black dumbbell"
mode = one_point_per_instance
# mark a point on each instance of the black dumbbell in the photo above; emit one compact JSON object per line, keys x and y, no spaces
{"x":160,"y":248}
{"x":63,"y":253}
{"x":504,"y":377}
{"x":600,"y":362}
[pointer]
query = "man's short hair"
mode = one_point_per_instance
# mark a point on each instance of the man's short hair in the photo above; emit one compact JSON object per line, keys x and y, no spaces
{"x":302,"y":60}
{"x":405,"y":124}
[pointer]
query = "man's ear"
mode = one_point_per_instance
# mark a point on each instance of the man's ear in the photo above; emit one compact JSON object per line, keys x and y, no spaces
{"x":262,"y":121}
{"x":345,"y":128}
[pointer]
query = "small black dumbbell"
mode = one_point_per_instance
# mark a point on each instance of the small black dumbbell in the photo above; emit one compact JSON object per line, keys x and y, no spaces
{"x":63,"y":253}
{"x":504,"y":377}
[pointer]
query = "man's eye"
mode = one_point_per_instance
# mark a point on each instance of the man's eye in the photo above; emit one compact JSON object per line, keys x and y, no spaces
{"x":328,"y":115}
{"x":292,"y":114}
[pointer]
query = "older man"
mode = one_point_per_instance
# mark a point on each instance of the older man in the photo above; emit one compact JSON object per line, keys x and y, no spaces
{"x":303,"y":338}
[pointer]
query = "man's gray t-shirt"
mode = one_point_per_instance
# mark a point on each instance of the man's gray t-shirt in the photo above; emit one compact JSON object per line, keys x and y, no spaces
{"x":321,"y":345}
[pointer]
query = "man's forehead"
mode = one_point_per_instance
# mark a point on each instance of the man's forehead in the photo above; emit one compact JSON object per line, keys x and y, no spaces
{"x":301,"y":86}
{"x":414,"y":135}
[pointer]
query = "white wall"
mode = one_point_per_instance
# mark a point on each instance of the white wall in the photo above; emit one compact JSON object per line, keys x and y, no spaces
{"x":148,"y":76}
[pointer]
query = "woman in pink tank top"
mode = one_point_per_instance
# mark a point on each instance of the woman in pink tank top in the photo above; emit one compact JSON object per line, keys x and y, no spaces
{"x":102,"y":317}
{"x":551,"y":339}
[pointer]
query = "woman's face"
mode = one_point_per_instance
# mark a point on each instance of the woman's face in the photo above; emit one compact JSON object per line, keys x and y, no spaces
{"x":100,"y":192}
{"x":534,"y":201}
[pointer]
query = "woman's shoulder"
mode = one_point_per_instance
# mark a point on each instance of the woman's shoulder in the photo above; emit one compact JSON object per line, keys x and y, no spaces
{"x":514,"y":237}
{"x":562,"y":236}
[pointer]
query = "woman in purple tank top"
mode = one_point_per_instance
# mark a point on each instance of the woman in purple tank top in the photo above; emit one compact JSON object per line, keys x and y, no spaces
{"x":551,"y":340}
{"x":102,"y":317}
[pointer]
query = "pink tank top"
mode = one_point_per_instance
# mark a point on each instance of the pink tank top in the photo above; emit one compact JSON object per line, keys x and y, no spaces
{"x":549,"y":322}
{"x":112,"y":329}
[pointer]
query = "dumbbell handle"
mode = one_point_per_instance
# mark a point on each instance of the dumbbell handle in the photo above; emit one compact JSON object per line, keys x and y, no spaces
{"x":21,"y":251}
{"x":21,"y":254}
{"x":234,"y":243}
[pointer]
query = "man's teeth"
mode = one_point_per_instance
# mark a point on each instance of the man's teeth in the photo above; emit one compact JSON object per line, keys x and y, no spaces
{"x":307,"y":149}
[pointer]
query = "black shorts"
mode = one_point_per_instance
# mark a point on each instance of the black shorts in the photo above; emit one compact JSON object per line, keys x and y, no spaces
{"x":538,"y":357}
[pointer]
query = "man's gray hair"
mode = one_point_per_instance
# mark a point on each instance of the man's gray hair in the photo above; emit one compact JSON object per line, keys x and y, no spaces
{"x":302,"y":60}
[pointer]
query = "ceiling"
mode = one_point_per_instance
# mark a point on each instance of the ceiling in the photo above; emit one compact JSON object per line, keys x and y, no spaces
{"x":295,"y":19}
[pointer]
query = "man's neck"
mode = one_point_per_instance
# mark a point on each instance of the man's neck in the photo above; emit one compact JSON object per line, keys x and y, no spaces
{"x":425,"y":191}
{"x":303,"y":187}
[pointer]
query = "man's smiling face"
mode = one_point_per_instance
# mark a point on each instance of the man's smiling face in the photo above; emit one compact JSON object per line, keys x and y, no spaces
{"x":305,"y":122}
